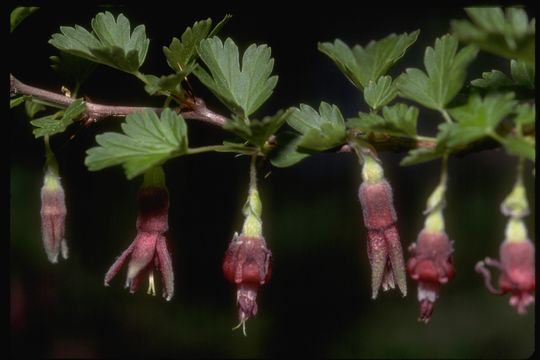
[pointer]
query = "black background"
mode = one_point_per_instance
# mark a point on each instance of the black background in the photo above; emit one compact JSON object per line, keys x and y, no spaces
{"x":318,"y":301}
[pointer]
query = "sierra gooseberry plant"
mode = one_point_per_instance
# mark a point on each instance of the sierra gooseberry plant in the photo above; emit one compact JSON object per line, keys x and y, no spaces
{"x":495,"y":111}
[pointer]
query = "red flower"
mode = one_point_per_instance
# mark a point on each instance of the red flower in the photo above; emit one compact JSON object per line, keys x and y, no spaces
{"x":517,"y":273}
{"x":384,"y":248}
{"x":53,"y":216}
{"x":247,"y":263}
{"x":431,"y":266}
{"x":149,"y":249}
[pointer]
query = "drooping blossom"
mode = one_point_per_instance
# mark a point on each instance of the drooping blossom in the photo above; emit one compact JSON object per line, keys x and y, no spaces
{"x":247,"y":264}
{"x":517,"y":277}
{"x":431,"y":266}
{"x":148,"y":252}
{"x":384,"y":248}
{"x":247,"y":261}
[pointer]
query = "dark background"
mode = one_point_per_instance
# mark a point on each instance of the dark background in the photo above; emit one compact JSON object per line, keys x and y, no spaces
{"x":318,"y":301}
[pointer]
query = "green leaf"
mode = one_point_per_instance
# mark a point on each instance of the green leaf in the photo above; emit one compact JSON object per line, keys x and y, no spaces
{"x":362,"y":65}
{"x":287,"y":152}
{"x":398,"y":120}
{"x":446,"y":71}
{"x":479,"y":117}
{"x":166,"y":83}
{"x":508,"y":34}
{"x":57,"y":123}
{"x":321,"y":130}
{"x":258,"y":131}
{"x":32,"y":108}
{"x":523,"y":73}
{"x":235,"y":147}
{"x":147,"y":141}
{"x":403,"y":117}
{"x":493,"y":79}
{"x":19,"y":14}
{"x":526,"y":114}
{"x":111,"y":43}
{"x":380,"y":93}
{"x":520,"y":147}
{"x":17,"y":101}
{"x":243,"y":89}
{"x":72,"y":68}
{"x":418,"y":156}
{"x":181,"y":55}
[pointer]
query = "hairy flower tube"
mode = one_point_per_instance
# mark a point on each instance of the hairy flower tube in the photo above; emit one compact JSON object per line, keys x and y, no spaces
{"x":149,"y":249}
{"x":516,"y":265}
{"x":384,"y":248}
{"x":53,"y":216}
{"x":247,"y":261}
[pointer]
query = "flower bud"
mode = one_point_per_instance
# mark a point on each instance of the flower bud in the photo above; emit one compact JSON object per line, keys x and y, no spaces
{"x":53,"y":215}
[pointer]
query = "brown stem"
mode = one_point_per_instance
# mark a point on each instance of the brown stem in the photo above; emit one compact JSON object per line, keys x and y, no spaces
{"x":95,"y":112}
{"x":196,"y":110}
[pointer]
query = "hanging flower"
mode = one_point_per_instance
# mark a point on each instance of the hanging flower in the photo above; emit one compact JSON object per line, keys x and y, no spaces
{"x":517,"y":269}
{"x":431,"y":266}
{"x":247,"y":261}
{"x":247,"y":264}
{"x":384,"y":248}
{"x":148,"y":252}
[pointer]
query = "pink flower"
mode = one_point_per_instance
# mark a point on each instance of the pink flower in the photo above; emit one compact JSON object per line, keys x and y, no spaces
{"x":53,"y":216}
{"x":384,"y":248}
{"x":247,"y":264}
{"x":431,"y":266}
{"x":149,"y":249}
{"x":517,"y":273}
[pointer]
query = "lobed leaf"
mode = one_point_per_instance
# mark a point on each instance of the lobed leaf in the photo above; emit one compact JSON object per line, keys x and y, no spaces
{"x":110,"y":43}
{"x":379,"y":93}
{"x":398,"y":120}
{"x":479,"y":117}
{"x":181,"y":54}
{"x":243,"y":88}
{"x":147,"y":140}
{"x":362,"y":65}
{"x":509,"y":34}
{"x":57,"y":123}
{"x":523,"y":73}
{"x":321,"y":130}
{"x":446,"y":71}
